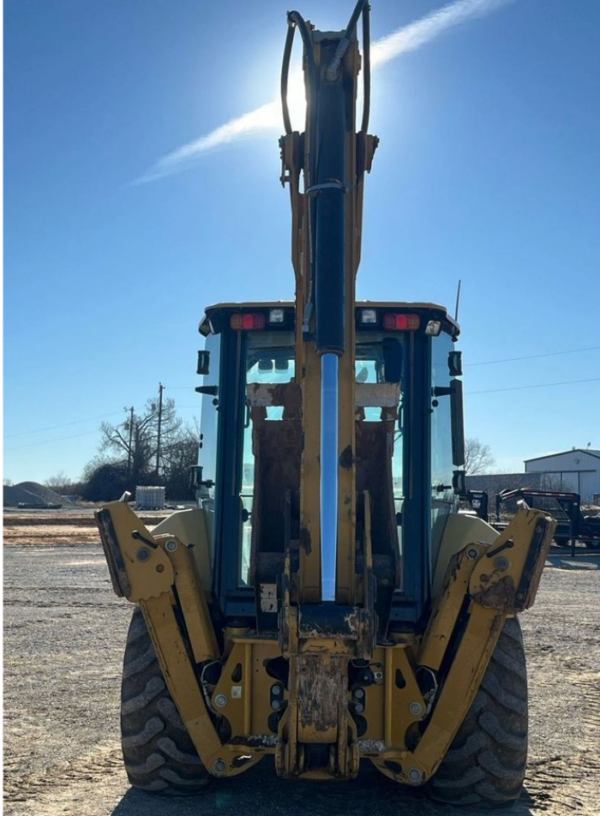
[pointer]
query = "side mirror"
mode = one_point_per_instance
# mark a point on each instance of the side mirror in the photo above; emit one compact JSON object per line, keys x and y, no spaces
{"x":203,"y":362}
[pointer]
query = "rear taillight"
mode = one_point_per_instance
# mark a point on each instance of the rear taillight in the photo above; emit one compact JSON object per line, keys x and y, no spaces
{"x":401,"y":322}
{"x":247,"y":321}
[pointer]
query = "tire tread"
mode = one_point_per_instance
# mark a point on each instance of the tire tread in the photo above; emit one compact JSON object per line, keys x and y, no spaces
{"x":158,"y":753}
{"x":487,"y":759}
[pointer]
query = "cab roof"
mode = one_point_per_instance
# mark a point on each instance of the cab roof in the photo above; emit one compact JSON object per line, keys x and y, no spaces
{"x":218,"y":311}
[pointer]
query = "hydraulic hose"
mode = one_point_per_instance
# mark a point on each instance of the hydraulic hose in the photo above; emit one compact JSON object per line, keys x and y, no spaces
{"x":295,"y":19}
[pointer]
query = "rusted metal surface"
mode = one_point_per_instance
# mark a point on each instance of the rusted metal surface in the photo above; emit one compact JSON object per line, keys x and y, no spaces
{"x":346,"y":459}
{"x":288,"y":395}
{"x":329,"y":621}
{"x":496,"y":593}
{"x":321,"y":692}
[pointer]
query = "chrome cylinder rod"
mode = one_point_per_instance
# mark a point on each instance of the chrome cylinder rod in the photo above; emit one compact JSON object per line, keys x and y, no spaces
{"x":329,"y":474}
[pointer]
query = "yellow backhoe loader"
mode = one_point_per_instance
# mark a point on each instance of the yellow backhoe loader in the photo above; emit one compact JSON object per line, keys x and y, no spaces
{"x":325,"y":602}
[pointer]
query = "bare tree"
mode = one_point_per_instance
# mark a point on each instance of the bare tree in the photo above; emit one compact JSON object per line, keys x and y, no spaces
{"x":129,"y":452}
{"x":178,"y":457}
{"x":135,"y":440}
{"x":59,"y":482}
{"x":478,"y":457}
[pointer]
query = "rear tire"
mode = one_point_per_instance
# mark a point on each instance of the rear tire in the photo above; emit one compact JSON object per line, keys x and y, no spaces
{"x":487,"y":759}
{"x":158,"y":753}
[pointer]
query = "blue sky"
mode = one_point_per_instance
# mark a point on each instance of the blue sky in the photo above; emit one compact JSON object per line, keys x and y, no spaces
{"x":488,"y":171}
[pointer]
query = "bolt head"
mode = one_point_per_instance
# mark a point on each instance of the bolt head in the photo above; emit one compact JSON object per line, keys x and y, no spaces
{"x":142,"y":554}
{"x":359,"y":708}
{"x":415,"y":775}
{"x":359,"y":693}
{"x":221,"y":700}
{"x":415,"y":709}
{"x":171,"y":545}
{"x":219,"y":765}
{"x":472,"y":552}
{"x":502,"y":564}
{"x":276,"y":691}
{"x":276,"y":705}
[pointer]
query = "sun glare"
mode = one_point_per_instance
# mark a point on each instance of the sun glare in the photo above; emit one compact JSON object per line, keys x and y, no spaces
{"x":297,"y":100}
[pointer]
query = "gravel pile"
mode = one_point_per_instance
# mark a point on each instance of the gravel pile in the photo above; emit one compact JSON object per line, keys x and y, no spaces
{"x":31,"y":493}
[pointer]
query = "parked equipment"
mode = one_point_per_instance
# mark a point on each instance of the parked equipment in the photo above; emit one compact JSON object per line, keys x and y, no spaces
{"x":326,"y":604}
{"x":479,"y":501}
{"x":571,"y":524}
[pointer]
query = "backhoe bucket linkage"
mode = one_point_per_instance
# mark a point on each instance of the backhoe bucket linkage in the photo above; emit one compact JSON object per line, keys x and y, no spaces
{"x":324,"y":694}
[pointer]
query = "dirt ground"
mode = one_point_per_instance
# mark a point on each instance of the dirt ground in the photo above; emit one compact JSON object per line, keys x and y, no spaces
{"x":63,"y":642}
{"x":67,"y":526}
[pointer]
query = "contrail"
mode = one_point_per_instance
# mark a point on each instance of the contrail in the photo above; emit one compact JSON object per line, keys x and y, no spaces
{"x":422,"y":31}
{"x":268,"y":117}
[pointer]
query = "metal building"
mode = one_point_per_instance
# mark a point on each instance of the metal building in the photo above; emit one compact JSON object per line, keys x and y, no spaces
{"x":576,"y":470}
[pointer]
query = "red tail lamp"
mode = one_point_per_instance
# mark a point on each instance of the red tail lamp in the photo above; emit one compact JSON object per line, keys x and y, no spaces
{"x":401,"y":322}
{"x":247,"y":321}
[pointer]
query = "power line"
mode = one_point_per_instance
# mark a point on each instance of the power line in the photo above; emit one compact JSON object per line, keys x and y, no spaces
{"x":534,"y":356}
{"x":537,"y":385}
{"x":64,"y":425}
{"x":50,"y":441}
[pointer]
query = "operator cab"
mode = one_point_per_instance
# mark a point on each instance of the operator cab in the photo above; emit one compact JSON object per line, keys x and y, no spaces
{"x":408,"y":443}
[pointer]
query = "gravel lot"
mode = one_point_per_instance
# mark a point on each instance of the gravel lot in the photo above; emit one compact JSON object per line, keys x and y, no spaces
{"x":64,"y":635}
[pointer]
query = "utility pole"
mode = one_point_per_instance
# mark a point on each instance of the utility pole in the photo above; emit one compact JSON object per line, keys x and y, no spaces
{"x":130,"y":448}
{"x":161,"y":388}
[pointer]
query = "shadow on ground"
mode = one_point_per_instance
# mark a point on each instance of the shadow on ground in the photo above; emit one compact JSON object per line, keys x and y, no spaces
{"x":260,"y":792}
{"x":584,"y":560}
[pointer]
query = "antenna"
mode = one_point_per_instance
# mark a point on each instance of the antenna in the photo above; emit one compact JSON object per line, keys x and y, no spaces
{"x":457,"y":301}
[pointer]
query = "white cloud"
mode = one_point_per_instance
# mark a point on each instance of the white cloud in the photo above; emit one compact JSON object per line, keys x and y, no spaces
{"x":268,"y":117}
{"x":428,"y":28}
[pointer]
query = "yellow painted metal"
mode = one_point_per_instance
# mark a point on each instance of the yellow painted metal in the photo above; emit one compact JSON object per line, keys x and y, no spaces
{"x":139,"y":568}
{"x":496,"y":589}
{"x":308,"y":363}
{"x":497,"y":579}
{"x":190,"y":528}
{"x":219,"y":759}
{"x":458,"y":531}
{"x":448,"y":605}
{"x":231,"y":634}
{"x":286,"y":751}
{"x":152,"y":579}
{"x":404,"y":704}
{"x":248,"y":705}
{"x":192,"y":599}
{"x":179,"y":674}
{"x":468,"y":667}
